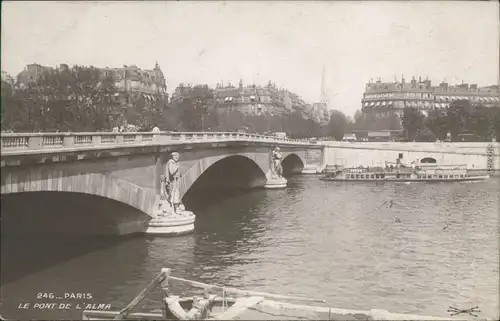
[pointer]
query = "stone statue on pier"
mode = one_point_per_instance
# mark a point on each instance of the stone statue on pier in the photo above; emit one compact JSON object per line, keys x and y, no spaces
{"x":277,"y":170}
{"x":274,"y":176}
{"x":170,"y":200}
{"x":171,"y":218}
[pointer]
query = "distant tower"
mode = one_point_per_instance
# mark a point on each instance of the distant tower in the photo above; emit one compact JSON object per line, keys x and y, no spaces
{"x":324,"y":94}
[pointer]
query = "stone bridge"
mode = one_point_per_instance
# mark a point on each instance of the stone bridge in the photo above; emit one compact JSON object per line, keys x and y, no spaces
{"x":97,"y":173}
{"x":126,"y":167}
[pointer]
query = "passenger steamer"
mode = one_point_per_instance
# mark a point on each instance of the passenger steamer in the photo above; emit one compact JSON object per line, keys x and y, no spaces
{"x":422,"y":171}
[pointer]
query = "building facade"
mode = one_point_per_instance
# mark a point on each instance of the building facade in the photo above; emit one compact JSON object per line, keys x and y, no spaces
{"x":128,"y":78}
{"x":32,"y":73}
{"x":384,"y":97}
{"x":136,"y":80}
{"x":7,"y":79}
{"x":257,"y":100}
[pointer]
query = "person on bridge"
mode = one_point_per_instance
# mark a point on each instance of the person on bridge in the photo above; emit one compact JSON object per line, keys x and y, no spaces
{"x":172,"y":182}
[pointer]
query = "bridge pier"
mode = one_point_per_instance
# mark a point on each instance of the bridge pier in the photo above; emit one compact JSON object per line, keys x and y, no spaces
{"x":172,"y":225}
{"x":275,"y":182}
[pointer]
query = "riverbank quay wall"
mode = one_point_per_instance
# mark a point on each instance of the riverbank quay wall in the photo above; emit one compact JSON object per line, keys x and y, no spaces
{"x":112,"y":180}
{"x":478,"y":157}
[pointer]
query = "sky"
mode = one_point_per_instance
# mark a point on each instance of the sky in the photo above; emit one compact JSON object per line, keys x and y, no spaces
{"x":288,"y":42}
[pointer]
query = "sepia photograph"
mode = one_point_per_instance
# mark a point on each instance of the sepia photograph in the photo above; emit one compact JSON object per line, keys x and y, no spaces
{"x":250,"y":160}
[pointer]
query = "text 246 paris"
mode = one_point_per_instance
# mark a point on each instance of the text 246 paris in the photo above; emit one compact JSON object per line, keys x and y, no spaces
{"x":62,"y":302}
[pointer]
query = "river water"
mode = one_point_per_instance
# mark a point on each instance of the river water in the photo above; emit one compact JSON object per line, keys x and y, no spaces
{"x":407,"y":248}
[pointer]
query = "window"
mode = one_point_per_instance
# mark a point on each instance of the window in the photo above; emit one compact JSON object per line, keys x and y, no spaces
{"x":357,"y":175}
{"x":347,"y":176}
{"x":440,"y":176}
{"x":362,"y":176}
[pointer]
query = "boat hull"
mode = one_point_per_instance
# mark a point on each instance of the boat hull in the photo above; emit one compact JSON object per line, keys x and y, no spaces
{"x":437,"y":180}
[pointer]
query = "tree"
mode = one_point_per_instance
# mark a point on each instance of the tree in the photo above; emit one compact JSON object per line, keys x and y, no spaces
{"x":337,"y":125}
{"x":458,"y":117}
{"x":481,"y":123}
{"x":424,"y":134}
{"x":413,"y":121}
{"x":436,"y":123}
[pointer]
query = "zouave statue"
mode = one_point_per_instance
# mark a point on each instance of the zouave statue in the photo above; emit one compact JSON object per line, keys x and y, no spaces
{"x":277,"y":171}
{"x":170,"y":186}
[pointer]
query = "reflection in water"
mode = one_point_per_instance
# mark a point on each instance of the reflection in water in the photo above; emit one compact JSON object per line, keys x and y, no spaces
{"x":331,"y":240}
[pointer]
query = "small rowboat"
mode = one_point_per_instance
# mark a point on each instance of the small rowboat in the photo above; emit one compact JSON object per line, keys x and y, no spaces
{"x":239,"y":305}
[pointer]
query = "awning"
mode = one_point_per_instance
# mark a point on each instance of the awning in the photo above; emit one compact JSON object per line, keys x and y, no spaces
{"x":252,"y":97}
{"x":384,"y":103}
{"x":372,"y":103}
{"x":366,"y":105}
{"x":437,"y":105}
{"x":377,"y":103}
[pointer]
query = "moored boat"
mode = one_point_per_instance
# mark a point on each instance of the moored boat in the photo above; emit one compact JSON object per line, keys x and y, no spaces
{"x":224,"y":303}
{"x":419,"y":171}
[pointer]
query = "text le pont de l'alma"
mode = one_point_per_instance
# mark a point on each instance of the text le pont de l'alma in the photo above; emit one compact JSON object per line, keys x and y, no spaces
{"x":65,"y":306}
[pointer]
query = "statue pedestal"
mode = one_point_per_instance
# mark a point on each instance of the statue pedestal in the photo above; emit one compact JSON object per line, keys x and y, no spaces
{"x":168,"y":223}
{"x":172,"y":224}
{"x":275,"y":182}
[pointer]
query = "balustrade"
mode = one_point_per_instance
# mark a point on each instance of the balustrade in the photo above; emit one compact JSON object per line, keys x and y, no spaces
{"x":83,"y":140}
{"x":37,"y":141}
{"x":52,"y":141}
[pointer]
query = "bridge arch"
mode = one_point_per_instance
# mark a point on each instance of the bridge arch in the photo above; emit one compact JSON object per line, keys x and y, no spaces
{"x":226,"y":171}
{"x":292,"y":164}
{"x":428,"y":160}
{"x":98,"y":184}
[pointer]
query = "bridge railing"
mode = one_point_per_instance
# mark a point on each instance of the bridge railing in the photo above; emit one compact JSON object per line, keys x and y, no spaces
{"x":43,"y":141}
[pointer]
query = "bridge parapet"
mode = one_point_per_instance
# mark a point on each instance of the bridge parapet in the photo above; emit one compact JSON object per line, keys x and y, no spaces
{"x":465,"y":148}
{"x":25,"y":142}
